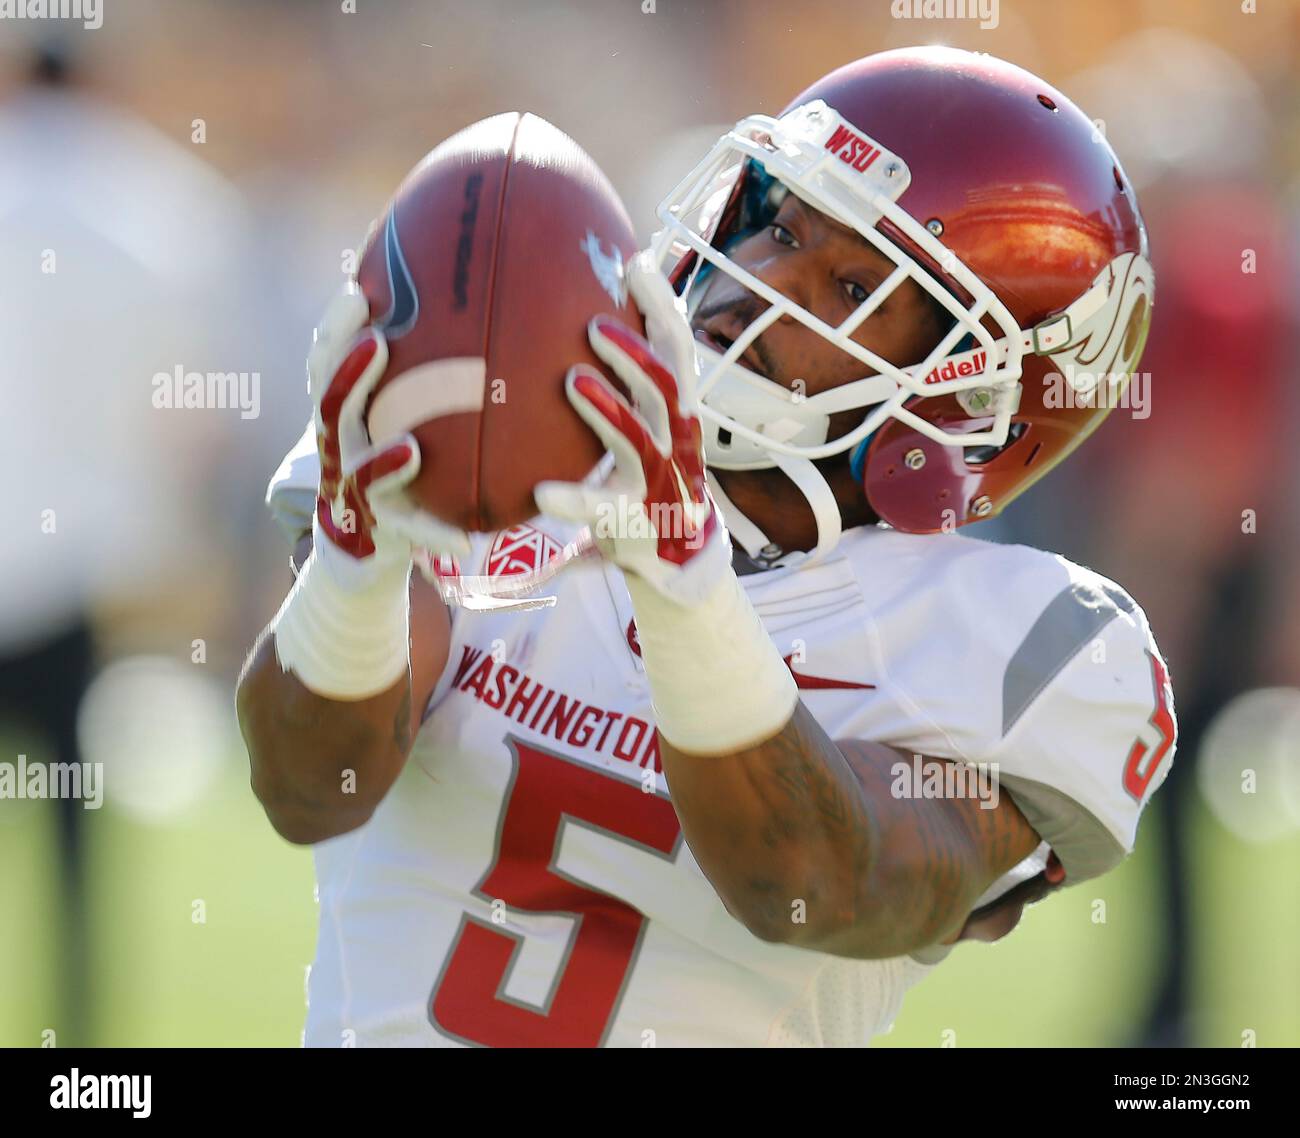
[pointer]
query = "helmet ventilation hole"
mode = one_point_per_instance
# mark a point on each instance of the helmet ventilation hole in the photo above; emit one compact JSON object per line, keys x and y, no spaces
{"x":1119,"y":182}
{"x":1051,"y":106}
{"x":1033,"y":454}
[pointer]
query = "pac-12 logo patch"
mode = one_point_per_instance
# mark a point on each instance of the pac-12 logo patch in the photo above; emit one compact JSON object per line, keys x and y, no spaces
{"x":520,"y":549}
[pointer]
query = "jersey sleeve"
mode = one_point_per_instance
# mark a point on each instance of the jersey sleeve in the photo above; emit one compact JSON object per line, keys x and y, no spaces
{"x":1088,"y":727}
{"x":291,"y":493}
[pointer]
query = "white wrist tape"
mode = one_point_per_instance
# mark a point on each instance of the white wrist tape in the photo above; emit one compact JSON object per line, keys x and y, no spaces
{"x":344,"y":629}
{"x":717,"y":681}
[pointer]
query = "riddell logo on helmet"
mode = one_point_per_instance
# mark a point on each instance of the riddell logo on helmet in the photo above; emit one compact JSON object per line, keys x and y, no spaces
{"x":955,"y":369}
{"x":852,"y":150}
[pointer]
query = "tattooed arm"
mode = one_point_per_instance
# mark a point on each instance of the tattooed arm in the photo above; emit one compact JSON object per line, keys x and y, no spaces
{"x":321,"y":766}
{"x":799,"y":818}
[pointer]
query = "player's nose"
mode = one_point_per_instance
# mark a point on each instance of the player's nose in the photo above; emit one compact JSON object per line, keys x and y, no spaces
{"x":790,"y":273}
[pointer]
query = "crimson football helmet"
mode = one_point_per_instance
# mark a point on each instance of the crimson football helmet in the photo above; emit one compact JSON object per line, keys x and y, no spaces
{"x":1005,"y":203}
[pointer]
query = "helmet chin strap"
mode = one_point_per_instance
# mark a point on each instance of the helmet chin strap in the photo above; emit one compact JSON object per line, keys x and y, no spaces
{"x":819,"y":496}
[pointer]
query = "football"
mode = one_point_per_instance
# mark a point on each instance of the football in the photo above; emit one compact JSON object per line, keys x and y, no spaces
{"x":493,"y":255}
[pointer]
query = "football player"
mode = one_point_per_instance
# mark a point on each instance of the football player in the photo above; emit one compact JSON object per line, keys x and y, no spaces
{"x":753,"y":774}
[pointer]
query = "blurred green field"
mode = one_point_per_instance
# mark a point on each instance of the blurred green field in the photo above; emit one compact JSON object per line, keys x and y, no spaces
{"x":157,"y":978}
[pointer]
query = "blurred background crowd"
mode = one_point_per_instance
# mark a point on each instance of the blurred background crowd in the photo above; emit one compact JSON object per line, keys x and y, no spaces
{"x":184,"y":186}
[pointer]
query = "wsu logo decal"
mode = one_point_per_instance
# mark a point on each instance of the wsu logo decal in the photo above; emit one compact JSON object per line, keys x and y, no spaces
{"x":520,"y":549}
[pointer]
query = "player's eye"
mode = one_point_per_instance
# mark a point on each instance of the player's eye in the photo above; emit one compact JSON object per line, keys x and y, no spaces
{"x":782,"y":236}
{"x":856,"y":292}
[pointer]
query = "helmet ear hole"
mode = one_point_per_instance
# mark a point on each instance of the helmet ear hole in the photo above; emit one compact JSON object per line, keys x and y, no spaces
{"x":978,"y":456}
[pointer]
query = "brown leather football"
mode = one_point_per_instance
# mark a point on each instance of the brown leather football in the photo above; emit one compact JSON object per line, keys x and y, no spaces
{"x":491,"y":258}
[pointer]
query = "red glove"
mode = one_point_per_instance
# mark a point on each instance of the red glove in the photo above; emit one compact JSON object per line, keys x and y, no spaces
{"x":361,"y":507}
{"x":653,"y":516}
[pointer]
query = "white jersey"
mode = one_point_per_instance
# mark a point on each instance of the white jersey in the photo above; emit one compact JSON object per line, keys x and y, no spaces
{"x":526,"y":882}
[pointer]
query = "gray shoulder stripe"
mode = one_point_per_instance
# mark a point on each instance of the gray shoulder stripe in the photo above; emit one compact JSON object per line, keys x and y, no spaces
{"x":1072,"y":618}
